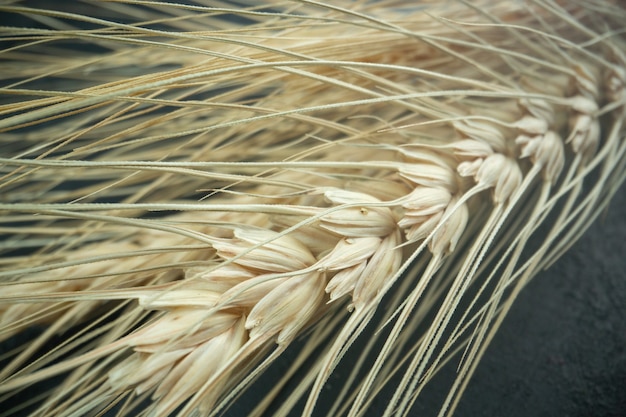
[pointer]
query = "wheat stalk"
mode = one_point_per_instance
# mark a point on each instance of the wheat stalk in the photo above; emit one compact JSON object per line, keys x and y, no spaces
{"x":191,"y":188}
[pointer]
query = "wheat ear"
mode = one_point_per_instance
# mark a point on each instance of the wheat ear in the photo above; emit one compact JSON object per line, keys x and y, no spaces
{"x":188,"y":189}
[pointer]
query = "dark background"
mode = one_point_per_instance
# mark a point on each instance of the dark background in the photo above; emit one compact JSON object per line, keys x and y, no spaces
{"x":562,"y":349}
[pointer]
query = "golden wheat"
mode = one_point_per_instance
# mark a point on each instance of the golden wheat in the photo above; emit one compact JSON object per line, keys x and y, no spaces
{"x":187,"y":189}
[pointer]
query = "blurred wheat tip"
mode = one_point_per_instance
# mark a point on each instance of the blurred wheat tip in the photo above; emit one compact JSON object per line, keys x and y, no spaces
{"x":191,"y":189}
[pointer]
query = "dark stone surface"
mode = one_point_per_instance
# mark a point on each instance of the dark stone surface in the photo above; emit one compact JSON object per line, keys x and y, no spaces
{"x":562,"y":349}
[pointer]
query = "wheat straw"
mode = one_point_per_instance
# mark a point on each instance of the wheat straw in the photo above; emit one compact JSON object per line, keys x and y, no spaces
{"x":187,"y":189}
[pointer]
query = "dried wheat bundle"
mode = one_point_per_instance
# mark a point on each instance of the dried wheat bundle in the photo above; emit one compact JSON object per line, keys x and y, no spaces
{"x":187,"y":188}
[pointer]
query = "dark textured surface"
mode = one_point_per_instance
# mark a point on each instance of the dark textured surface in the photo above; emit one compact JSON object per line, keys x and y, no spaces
{"x":562,"y":348}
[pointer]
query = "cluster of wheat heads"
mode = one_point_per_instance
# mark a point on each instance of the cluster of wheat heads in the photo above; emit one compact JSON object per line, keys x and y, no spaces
{"x":188,"y":188}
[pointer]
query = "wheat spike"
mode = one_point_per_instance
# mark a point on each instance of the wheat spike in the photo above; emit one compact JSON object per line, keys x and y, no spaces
{"x":187,"y":189}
